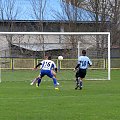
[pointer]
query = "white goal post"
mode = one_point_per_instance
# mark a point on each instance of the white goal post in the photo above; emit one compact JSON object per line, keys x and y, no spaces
{"x":70,"y":45}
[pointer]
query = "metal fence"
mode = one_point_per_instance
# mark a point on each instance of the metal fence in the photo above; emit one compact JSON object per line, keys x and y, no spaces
{"x":29,"y":63}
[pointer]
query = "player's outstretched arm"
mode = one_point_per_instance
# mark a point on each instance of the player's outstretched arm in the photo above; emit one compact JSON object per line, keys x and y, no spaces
{"x":37,"y":66}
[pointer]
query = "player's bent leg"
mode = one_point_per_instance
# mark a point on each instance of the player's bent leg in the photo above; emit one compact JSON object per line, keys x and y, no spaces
{"x":34,"y":81}
{"x":39,"y":81}
{"x":80,"y":83}
{"x":82,"y":76}
{"x":54,"y":74}
{"x":77,"y":80}
{"x":77,"y":83}
{"x":42,"y":74}
{"x":55,"y":83}
{"x":50,"y":74}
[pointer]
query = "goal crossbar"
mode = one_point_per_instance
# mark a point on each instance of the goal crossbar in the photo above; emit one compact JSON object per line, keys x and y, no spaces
{"x":54,"y":33}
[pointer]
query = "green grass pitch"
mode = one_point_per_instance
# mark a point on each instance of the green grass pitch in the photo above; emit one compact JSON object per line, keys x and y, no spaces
{"x":99,"y":100}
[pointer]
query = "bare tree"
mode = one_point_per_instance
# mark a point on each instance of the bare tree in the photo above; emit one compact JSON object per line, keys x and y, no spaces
{"x":100,"y":10}
{"x":107,"y":13}
{"x":70,"y":14}
{"x":8,"y":11}
{"x":115,"y":20}
{"x":39,"y":9}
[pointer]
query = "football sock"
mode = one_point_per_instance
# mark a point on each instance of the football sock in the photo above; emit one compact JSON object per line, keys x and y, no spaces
{"x":77,"y":81}
{"x":54,"y":81}
{"x":80,"y":83}
{"x":39,"y":81}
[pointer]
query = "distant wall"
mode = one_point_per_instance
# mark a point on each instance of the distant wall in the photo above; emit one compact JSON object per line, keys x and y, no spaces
{"x":4,"y":49}
{"x":115,"y":52}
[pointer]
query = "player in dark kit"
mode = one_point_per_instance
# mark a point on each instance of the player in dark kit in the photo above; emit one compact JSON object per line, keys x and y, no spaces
{"x":83,"y":63}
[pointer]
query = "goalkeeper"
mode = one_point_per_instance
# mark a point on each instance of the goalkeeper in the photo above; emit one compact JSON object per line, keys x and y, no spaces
{"x":83,"y":63}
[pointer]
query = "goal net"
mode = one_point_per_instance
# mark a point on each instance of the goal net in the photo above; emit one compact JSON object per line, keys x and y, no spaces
{"x":97,"y":46}
{"x":21,"y":51}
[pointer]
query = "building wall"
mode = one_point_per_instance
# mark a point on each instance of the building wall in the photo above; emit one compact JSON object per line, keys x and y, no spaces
{"x":34,"y":43}
{"x":4,"y":47}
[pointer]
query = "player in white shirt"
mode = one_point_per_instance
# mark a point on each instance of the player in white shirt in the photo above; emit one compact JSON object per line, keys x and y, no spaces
{"x":47,"y":67}
{"x":83,"y":63}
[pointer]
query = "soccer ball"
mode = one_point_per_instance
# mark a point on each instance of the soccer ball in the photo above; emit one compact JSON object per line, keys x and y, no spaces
{"x":60,"y":57}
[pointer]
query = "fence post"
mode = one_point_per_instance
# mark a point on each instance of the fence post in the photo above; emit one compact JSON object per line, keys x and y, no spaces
{"x":12,"y":64}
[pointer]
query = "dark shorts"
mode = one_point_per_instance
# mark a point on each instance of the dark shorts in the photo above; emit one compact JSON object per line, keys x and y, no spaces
{"x":81,"y":73}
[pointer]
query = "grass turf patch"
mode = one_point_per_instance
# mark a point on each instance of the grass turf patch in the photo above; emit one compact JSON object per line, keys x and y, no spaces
{"x":98,"y":100}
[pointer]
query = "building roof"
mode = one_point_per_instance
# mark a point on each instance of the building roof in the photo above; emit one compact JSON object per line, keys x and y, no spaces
{"x":52,"y":11}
